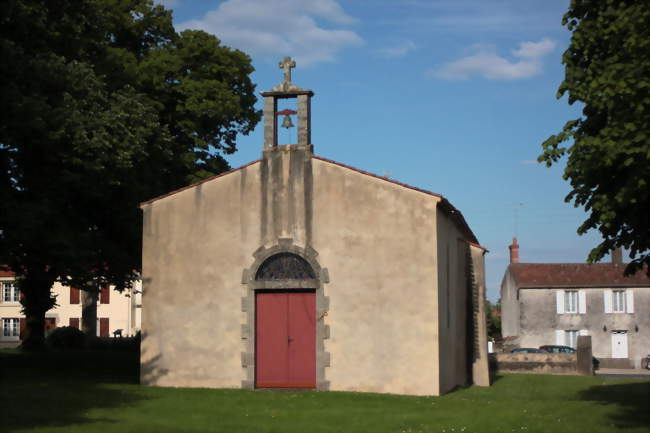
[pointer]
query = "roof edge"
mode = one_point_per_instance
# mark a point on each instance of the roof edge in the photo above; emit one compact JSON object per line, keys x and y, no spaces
{"x":474,"y":244}
{"x":581,"y":286}
{"x":160,"y":197}
{"x":445,"y":204}
{"x":367,"y":173}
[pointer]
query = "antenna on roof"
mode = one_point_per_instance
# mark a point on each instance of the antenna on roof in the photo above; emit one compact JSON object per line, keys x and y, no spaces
{"x":516,"y":218}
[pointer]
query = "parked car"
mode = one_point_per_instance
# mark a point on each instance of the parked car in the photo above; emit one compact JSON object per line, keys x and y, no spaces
{"x":526,"y":350}
{"x":551,"y":348}
{"x":557,"y":349}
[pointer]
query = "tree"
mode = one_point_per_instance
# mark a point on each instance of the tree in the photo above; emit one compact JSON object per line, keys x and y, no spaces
{"x":493,"y":319}
{"x":104,"y":106}
{"x":608,"y":164}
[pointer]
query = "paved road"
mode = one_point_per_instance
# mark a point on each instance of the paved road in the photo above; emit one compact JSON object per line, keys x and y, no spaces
{"x":624,"y":372}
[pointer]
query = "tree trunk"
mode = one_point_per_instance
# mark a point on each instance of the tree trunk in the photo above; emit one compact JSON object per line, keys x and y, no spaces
{"x":89,"y":312}
{"x":37,"y":299}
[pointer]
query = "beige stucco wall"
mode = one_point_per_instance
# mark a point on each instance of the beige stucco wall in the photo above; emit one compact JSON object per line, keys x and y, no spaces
{"x":122,"y":311}
{"x":375,"y":240}
{"x":378,"y":241}
{"x":452,"y":305}
{"x":195,"y":245}
{"x":480,"y":365}
{"x":509,"y":306}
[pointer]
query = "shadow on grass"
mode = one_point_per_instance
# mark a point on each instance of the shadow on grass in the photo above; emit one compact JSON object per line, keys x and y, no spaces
{"x":55,"y":389}
{"x":632,"y":399}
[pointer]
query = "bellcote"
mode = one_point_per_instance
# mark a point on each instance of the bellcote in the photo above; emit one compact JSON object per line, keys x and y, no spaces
{"x":287,"y":90}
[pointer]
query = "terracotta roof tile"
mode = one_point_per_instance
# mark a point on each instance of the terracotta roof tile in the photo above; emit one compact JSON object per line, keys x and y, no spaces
{"x":6,"y":273}
{"x":575,"y":275}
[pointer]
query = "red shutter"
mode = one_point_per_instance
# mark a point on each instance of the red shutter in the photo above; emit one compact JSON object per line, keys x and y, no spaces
{"x":74,"y":322}
{"x":105,"y":295}
{"x":22,"y":327}
{"x":74,"y":295}
{"x":103,"y":327}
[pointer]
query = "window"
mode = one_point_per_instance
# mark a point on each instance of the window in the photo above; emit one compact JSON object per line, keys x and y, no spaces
{"x":10,"y":327}
{"x":571,"y":338}
{"x":571,"y":301}
{"x":618,"y":303}
{"x":10,"y":292}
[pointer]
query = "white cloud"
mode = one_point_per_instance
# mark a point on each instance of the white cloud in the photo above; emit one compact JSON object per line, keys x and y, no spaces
{"x":280,"y":27}
{"x":399,"y":50}
{"x":534,"y":50}
{"x":168,"y":4}
{"x":488,"y":64}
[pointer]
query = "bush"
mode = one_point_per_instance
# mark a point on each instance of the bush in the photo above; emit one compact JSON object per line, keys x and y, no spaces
{"x":66,"y":338}
{"x":125,"y":344}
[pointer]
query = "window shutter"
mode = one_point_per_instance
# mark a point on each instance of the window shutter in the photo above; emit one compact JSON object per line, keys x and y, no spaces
{"x":22,"y":327}
{"x":74,"y":322}
{"x":103,"y":327}
{"x":559,"y":301}
{"x":582,"y":302}
{"x":559,"y":337}
{"x":629,"y":302}
{"x":105,"y":296}
{"x":607,"y":297}
{"x":74,"y":295}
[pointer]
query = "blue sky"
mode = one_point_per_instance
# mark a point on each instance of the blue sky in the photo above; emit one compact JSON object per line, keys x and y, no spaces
{"x":454,"y":96}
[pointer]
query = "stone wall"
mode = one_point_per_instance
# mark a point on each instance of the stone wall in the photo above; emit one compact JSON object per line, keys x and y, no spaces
{"x":534,"y":363}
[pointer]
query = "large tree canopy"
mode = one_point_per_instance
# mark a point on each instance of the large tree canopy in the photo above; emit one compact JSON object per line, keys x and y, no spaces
{"x":103,"y":105}
{"x":608,"y":165}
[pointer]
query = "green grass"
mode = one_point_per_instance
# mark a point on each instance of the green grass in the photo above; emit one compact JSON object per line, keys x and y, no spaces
{"x":98,"y":392}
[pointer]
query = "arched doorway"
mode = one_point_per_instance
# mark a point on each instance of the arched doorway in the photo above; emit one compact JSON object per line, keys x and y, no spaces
{"x":285,"y":323}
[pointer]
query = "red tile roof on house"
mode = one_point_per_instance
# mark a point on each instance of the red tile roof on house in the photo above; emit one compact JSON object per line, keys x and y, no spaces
{"x":544,"y":275}
{"x":6,"y":273}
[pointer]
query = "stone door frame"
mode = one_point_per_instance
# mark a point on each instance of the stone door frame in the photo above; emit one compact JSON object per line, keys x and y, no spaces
{"x":250,"y":285}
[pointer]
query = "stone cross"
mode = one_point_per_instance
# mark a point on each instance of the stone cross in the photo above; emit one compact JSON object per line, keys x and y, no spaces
{"x":287,"y":64}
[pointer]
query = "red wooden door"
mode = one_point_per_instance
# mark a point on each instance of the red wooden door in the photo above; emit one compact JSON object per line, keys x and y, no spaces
{"x":285,"y":340}
{"x":103,"y":327}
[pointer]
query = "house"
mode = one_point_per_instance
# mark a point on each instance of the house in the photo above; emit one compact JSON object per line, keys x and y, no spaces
{"x":114,"y":310}
{"x":553,"y":303}
{"x":296,"y":271}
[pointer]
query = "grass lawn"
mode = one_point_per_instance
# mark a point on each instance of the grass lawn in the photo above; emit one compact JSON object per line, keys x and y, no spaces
{"x":98,"y":392}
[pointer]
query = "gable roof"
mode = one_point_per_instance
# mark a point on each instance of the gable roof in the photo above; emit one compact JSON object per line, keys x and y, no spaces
{"x":445,"y":205}
{"x":207,"y":179}
{"x":546,"y":275}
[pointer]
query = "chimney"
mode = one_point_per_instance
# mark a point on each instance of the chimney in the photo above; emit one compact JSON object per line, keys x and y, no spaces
{"x":617,"y":256}
{"x":514,"y":251}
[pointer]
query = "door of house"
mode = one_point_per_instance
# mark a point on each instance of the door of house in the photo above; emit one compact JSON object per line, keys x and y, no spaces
{"x":619,"y":344}
{"x":285,"y":340}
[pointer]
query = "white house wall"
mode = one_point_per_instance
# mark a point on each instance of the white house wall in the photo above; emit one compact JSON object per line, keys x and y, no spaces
{"x":122,"y":311}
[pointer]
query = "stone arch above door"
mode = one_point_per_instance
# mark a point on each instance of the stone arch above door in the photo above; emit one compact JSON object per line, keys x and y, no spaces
{"x":284,"y":266}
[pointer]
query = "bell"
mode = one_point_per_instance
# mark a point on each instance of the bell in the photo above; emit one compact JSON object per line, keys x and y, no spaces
{"x":286,"y":122}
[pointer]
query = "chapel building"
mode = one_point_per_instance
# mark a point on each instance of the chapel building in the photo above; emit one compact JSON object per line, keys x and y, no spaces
{"x":296,"y":271}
